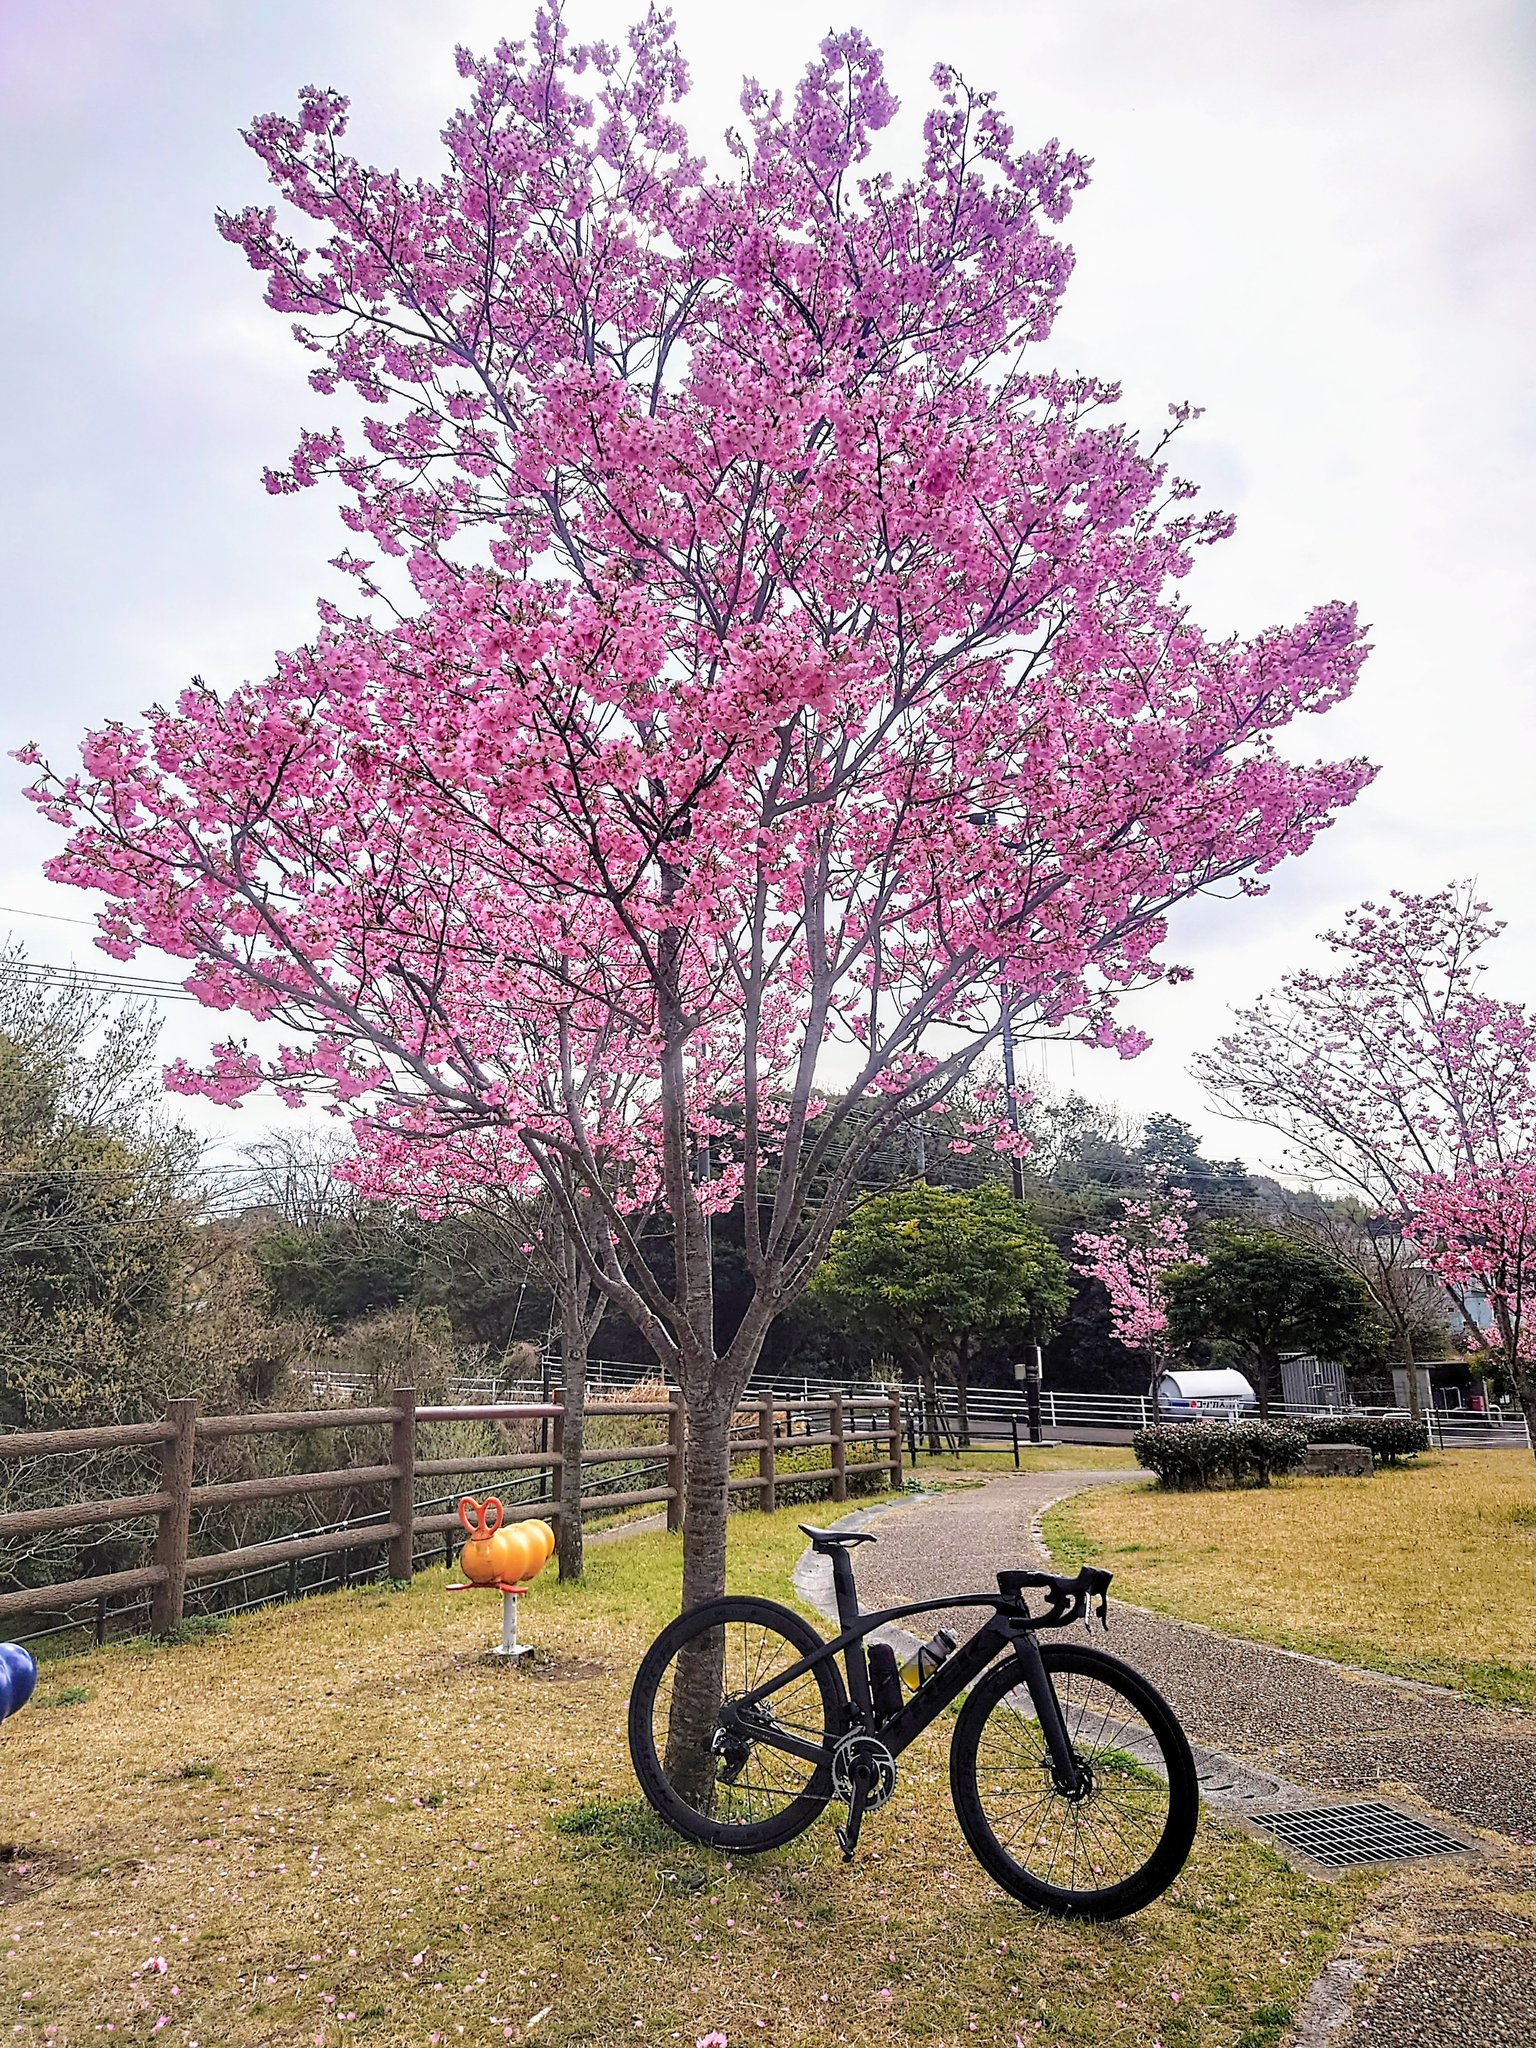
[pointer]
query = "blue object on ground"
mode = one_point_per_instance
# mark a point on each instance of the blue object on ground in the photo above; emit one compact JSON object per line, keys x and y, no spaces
{"x":18,"y":1675}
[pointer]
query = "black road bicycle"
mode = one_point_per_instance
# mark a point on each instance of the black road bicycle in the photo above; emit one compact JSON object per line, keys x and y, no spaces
{"x":1071,"y":1779}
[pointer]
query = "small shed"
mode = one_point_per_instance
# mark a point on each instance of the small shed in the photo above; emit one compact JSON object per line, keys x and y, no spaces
{"x":1203,"y":1396}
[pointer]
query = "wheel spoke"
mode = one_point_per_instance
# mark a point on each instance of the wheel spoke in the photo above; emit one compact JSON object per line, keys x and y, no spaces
{"x":747,"y":1780}
{"x":1104,"y":1834}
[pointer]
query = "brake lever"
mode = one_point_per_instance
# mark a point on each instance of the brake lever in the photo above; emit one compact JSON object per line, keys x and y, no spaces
{"x":1097,"y":1594}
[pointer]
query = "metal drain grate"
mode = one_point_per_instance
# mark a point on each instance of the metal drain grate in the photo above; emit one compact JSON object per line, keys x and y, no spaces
{"x":1366,"y":1832}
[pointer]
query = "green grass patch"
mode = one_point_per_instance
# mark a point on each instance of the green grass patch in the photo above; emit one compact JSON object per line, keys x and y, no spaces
{"x":627,"y":1822}
{"x":377,"y":1837}
{"x":66,"y":1696}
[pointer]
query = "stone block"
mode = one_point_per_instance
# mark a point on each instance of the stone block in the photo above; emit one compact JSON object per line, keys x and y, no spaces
{"x":1338,"y":1461}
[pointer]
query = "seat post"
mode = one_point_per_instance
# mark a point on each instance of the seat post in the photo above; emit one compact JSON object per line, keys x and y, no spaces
{"x":843,"y":1587}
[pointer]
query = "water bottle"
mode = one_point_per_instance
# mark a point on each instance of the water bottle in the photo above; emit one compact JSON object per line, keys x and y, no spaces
{"x":884,"y":1680}
{"x":927,"y":1658}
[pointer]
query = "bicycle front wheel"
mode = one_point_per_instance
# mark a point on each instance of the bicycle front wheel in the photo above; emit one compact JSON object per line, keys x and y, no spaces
{"x":1121,"y":1839}
{"x":722,"y":1787}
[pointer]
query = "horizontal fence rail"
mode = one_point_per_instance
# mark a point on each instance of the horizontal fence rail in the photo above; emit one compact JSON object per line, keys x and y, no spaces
{"x":862,"y":1435}
{"x":854,"y":1434}
{"x":992,"y":1411}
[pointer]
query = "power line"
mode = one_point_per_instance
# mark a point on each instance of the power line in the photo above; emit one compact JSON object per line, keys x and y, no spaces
{"x":105,"y":982}
{"x":50,"y":916}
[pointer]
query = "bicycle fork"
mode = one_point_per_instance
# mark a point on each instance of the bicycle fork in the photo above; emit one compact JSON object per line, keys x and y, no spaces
{"x":1066,"y":1771}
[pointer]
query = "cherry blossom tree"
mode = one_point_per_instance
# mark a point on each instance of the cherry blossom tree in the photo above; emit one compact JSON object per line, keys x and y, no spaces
{"x":1129,"y":1260}
{"x":1394,"y":1072}
{"x":764,"y":677}
{"x":1477,"y":1229}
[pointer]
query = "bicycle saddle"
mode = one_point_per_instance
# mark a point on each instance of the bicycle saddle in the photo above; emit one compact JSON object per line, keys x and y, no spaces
{"x":827,"y":1540}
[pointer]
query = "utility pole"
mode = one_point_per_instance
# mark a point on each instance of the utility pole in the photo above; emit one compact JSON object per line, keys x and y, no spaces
{"x":1010,"y":1081}
{"x":1010,"y":1076}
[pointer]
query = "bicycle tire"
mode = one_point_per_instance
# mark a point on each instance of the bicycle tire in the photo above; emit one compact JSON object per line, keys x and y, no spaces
{"x":1120,"y":1773}
{"x":803,"y":1802}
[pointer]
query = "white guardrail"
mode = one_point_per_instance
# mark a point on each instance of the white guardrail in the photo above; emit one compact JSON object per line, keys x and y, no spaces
{"x":993,"y":1411}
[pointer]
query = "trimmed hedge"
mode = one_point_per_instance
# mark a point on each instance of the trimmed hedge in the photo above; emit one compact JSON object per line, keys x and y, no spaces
{"x":1388,"y":1438}
{"x":1196,"y":1454}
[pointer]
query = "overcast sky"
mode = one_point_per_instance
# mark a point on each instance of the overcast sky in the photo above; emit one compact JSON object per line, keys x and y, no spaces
{"x":1316,"y":218}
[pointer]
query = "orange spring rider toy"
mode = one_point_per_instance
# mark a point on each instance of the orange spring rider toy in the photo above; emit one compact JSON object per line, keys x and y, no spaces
{"x":506,"y":1555}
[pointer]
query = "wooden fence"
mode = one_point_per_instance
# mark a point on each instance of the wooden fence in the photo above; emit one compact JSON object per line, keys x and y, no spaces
{"x":182,"y":1431}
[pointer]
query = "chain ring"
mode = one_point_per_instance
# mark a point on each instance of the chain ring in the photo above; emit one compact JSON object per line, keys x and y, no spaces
{"x":870,"y":1751}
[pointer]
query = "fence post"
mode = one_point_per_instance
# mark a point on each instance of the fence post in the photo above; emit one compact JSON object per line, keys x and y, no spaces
{"x":402,"y":1488}
{"x":167,"y":1602}
{"x":767,"y":1459}
{"x":894,"y":1408}
{"x":675,"y":1462}
{"x":839,"y":1451}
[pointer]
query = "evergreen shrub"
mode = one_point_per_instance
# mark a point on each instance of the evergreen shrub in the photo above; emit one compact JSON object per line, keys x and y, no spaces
{"x":1189,"y":1455}
{"x":1389,"y":1438}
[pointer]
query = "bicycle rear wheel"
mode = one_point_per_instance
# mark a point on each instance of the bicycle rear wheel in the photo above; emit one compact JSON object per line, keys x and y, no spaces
{"x":1121,"y":1840}
{"x":728,"y":1790}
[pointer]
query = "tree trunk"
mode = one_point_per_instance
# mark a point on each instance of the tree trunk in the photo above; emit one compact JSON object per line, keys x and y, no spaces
{"x":1405,"y":1355}
{"x":930,"y":1407}
{"x":963,"y":1394}
{"x":696,"y":1688}
{"x":1268,"y":1361}
{"x":1521,"y":1375}
{"x":573,"y":1358}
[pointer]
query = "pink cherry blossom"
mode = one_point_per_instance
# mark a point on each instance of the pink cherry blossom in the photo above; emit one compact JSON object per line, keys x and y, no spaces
{"x":1129,"y":1259}
{"x":763,"y":673}
{"x":1477,"y":1229}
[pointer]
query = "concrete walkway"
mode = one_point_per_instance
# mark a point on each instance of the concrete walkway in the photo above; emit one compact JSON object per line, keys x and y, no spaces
{"x":1465,"y":1978}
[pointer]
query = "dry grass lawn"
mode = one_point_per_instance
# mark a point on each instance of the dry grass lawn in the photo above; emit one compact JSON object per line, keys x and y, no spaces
{"x":334,"y":1823}
{"x":1428,"y":1571}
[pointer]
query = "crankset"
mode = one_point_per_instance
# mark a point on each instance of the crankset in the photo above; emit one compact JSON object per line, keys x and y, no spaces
{"x":864,"y":1774}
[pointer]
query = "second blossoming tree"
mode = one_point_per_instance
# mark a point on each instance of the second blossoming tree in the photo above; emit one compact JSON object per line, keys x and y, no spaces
{"x":780,"y":675}
{"x":1129,"y":1259}
{"x":1400,"y":1077}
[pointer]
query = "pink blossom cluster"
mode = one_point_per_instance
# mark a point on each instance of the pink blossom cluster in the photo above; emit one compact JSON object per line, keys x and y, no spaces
{"x":1477,"y":1229}
{"x":777,"y":665}
{"x":1149,"y":1239}
{"x":1398,"y":1063}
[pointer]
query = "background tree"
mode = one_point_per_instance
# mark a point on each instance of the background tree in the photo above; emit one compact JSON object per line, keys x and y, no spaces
{"x":1477,"y":1229}
{"x":1373,"y":1245}
{"x":786,"y":666}
{"x":115,"y":1289}
{"x":1263,"y":1294}
{"x":935,"y":1273}
{"x":1131,"y":1259}
{"x":1393,"y":1067}
{"x":97,"y":1200}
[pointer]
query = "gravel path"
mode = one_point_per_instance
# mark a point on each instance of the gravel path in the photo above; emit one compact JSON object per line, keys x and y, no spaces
{"x":1462,"y":1940}
{"x":1308,"y":1721}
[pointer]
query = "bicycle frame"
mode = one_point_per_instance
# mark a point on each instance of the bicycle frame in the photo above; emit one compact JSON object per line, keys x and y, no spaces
{"x":957,"y":1671}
